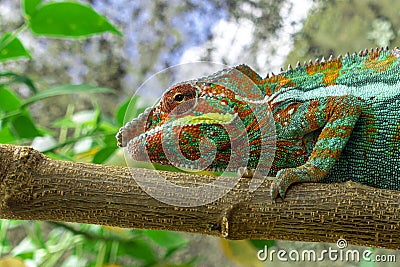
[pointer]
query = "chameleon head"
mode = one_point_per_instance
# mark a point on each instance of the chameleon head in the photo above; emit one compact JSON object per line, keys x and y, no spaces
{"x":200,"y":124}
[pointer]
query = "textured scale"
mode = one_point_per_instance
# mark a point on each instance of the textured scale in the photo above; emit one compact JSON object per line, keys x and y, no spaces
{"x":335,"y":120}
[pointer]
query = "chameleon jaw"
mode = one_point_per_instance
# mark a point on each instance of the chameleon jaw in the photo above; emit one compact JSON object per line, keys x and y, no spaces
{"x":149,"y":145}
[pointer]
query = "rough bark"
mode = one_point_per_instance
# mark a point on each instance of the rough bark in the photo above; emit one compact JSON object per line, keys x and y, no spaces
{"x":34,"y":187}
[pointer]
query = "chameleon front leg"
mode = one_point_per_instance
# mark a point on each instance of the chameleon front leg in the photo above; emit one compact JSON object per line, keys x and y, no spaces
{"x":337,"y":117}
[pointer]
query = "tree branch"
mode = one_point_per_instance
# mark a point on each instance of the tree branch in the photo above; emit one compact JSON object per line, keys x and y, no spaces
{"x":34,"y":187}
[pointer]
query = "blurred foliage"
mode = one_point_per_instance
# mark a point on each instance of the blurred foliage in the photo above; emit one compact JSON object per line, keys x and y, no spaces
{"x":337,"y":27}
{"x":67,"y":244}
{"x":86,"y":135}
{"x":243,"y":252}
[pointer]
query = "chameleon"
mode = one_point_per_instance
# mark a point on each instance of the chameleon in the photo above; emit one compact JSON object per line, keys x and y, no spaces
{"x":328,"y":120}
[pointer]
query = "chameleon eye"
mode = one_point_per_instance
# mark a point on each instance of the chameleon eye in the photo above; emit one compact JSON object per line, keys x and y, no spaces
{"x":178,"y":97}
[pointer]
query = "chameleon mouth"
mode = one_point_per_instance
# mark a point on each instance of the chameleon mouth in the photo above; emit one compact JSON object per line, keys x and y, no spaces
{"x":133,"y":128}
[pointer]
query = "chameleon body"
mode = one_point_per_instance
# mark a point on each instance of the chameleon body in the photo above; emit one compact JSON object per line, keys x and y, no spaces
{"x":334,"y":120}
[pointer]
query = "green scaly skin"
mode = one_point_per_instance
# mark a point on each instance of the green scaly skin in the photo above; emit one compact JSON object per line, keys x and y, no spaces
{"x":334,"y":120}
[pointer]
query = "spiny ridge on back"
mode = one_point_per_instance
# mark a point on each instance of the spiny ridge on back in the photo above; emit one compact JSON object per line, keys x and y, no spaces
{"x":374,"y":65}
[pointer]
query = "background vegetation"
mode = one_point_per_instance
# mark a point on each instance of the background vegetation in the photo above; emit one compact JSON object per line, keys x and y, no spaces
{"x":67,"y":73}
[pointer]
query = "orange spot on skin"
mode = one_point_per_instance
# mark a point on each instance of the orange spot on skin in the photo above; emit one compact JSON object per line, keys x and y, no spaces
{"x":280,"y":80}
{"x":311,"y":115}
{"x":373,"y":62}
{"x":284,"y":115}
{"x":373,"y":130}
{"x":369,"y":119}
{"x":216,"y":90}
{"x":285,"y":143}
{"x":326,"y":153}
{"x":340,"y":131}
{"x":396,"y":136}
{"x":330,"y":69}
{"x":249,"y":72}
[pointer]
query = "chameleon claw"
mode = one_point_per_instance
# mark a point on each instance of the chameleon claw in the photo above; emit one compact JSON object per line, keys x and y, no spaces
{"x":284,"y":178}
{"x":245,"y":172}
{"x":249,"y":173}
{"x":274,"y":191}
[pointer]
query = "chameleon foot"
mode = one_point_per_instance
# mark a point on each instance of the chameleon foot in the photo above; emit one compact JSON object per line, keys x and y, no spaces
{"x":286,"y":177}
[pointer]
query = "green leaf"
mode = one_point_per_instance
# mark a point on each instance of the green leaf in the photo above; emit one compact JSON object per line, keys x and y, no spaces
{"x":110,"y":140}
{"x":30,"y":6}
{"x":120,"y":114}
{"x":67,"y":89}
{"x":69,"y":19}
{"x":260,"y":244}
{"x":11,"y":47}
{"x":130,"y":109}
{"x":25,"y":249}
{"x":64,"y":123}
{"x":108,"y":128}
{"x":12,"y":224}
{"x":103,"y":155}
{"x":17,"y":78}
{"x":167,"y":239}
{"x":24,"y":127}
{"x":9,"y":101}
{"x":138,"y":249}
{"x":36,"y":235}
{"x":6,"y":136}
